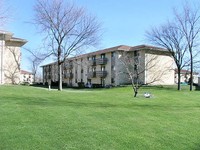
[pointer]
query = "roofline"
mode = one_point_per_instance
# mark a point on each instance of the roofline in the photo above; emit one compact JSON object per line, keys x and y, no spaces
{"x":19,"y":40}
{"x":24,"y":71}
{"x":6,"y":32}
{"x":116,"y":48}
{"x":185,"y":71}
{"x":144,"y":47}
{"x":9,"y":37}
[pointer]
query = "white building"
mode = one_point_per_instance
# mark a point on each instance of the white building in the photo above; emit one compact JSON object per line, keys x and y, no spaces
{"x":26,"y":77}
{"x":185,"y":76}
{"x":10,"y":57}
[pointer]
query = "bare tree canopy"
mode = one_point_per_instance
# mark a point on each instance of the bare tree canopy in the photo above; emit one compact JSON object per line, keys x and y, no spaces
{"x":180,"y":36}
{"x":3,"y":13}
{"x":36,"y":58}
{"x":135,"y":68}
{"x":68,"y":28}
{"x":189,"y":23}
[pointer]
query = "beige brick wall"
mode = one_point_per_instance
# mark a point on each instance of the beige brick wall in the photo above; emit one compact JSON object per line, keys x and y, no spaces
{"x":160,"y":70}
{"x":10,"y":58}
{"x":10,"y":64}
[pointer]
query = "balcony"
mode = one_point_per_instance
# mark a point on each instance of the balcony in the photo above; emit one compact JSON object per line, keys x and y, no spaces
{"x":101,"y":74}
{"x":92,"y":62}
{"x":68,"y":75}
{"x":91,"y":75}
{"x":101,"y":61}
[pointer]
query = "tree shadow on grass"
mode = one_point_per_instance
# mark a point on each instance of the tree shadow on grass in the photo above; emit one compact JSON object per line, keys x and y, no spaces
{"x":44,"y":102}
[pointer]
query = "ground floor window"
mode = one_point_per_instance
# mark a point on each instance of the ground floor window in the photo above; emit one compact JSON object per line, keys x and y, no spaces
{"x":112,"y":80}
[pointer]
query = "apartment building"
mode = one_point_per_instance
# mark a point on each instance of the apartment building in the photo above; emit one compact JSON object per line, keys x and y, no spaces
{"x":26,"y":77}
{"x":104,"y":67}
{"x":185,"y":76}
{"x":10,"y":56}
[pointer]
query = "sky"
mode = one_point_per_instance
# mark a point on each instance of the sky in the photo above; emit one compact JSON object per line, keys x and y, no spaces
{"x":124,"y":22}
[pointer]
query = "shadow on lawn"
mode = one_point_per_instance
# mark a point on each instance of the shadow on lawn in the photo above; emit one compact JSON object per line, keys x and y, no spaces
{"x":43,"y":102}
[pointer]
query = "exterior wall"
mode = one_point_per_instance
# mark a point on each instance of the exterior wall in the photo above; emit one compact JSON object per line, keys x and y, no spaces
{"x":2,"y":47}
{"x":185,"y":77}
{"x":11,"y":65}
{"x":26,"y":77}
{"x":10,"y":58}
{"x":159,"y":69}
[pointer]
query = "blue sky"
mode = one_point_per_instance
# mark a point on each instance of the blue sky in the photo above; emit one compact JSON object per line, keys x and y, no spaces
{"x":124,"y":22}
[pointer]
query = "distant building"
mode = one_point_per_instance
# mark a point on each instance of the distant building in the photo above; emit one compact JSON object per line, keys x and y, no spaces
{"x":26,"y":77}
{"x":185,"y":76}
{"x":104,"y":68}
{"x":10,"y":58}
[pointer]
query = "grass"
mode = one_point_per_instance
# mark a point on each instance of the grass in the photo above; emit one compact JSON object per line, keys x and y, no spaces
{"x":100,"y":119}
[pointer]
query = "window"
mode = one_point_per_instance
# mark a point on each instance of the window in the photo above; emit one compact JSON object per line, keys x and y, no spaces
{"x":112,"y":80}
{"x":135,"y":67}
{"x":112,"y":54}
{"x":93,"y":57}
{"x":136,"y":53}
{"x":81,"y":70}
{"x":103,"y":55}
{"x":103,"y":68}
{"x":94,"y":69}
{"x":112,"y":68}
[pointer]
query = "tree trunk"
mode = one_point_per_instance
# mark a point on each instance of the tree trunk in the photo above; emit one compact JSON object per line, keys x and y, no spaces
{"x":135,"y":89}
{"x":191,"y":72}
{"x":59,"y":69}
{"x":179,"y":78}
{"x":191,"y":77}
{"x":60,"y":77}
{"x":135,"y":94}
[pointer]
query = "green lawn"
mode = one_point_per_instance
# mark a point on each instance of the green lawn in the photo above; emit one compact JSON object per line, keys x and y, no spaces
{"x":101,"y":119}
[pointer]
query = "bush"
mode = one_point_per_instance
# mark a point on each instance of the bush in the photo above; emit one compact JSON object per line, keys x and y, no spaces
{"x":81,"y":84}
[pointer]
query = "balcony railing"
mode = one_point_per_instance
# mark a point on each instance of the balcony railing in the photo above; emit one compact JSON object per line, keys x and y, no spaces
{"x":101,"y":61}
{"x":101,"y":74}
{"x":91,"y":75}
{"x":68,"y":75}
{"x":92,"y":62}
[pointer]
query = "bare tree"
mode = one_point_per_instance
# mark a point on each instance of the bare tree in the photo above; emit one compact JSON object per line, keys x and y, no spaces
{"x":189,"y":23}
{"x":171,"y":37}
{"x":135,"y":68}
{"x":180,"y":37}
{"x":36,"y":58}
{"x":3,"y":13}
{"x":68,"y":28}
